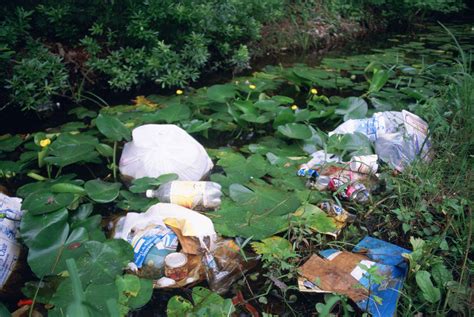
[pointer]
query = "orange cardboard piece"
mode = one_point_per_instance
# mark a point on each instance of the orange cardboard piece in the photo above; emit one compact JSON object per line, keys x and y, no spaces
{"x":189,"y":245}
{"x":335,"y":275}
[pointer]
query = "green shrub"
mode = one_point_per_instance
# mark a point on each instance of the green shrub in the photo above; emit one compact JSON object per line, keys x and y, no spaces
{"x":128,"y":43}
{"x":36,"y":78}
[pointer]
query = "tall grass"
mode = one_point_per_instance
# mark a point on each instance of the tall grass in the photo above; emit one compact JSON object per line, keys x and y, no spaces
{"x":433,"y":201}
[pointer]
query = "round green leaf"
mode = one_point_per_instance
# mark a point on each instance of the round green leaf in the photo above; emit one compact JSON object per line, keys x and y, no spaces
{"x":112,"y":128}
{"x":44,"y":202}
{"x":102,"y":192}
{"x":220,"y":93}
{"x":295,"y":131}
{"x":352,"y":108}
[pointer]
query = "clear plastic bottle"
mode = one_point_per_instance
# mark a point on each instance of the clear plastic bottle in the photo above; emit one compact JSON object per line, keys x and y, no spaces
{"x":189,"y":194}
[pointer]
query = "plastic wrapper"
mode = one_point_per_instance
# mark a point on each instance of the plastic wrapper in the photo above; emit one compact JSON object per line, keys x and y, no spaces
{"x":399,"y":137}
{"x":224,"y":265}
{"x":159,"y":149}
{"x":11,"y":251}
{"x":346,"y":273}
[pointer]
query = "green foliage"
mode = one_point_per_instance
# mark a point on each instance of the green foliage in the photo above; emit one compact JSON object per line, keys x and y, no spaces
{"x":128,"y":43}
{"x":206,"y":303}
{"x":36,"y":78}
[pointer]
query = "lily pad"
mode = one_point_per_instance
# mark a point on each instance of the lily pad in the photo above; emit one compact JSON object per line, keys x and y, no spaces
{"x":112,"y":128}
{"x":102,"y":192}
{"x":352,"y":108}
{"x":295,"y":131}
{"x":45,"y":202}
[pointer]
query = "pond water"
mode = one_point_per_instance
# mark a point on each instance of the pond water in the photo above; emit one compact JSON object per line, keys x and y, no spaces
{"x":257,"y":129}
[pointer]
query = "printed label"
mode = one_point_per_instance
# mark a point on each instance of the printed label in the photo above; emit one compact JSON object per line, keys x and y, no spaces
{"x":145,"y":239}
{"x":187,"y":194}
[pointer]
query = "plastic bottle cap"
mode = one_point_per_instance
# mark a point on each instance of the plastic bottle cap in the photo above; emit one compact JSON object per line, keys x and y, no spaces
{"x":149,"y":193}
{"x":176,"y":259}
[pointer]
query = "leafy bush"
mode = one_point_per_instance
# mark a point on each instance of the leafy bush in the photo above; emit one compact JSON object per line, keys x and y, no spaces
{"x":126,"y":43}
{"x":36,"y":78}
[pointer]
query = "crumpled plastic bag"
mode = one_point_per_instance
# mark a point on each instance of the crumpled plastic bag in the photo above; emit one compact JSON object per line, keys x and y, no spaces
{"x":159,"y":149}
{"x":10,"y":217}
{"x":399,"y":137}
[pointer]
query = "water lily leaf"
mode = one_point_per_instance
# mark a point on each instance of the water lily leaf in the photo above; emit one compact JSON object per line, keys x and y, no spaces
{"x":99,"y":264}
{"x":82,"y":112}
{"x":284,"y":116}
{"x":257,"y":211}
{"x":221,"y":93}
{"x":141,"y":185}
{"x":105,"y":150}
{"x":210,"y":303}
{"x":283,"y":100}
{"x":173,"y":113}
{"x":264,"y":118}
{"x":197,"y":126}
{"x":295,"y":131}
{"x":269,"y":104}
{"x":135,"y":202}
{"x":44,"y":202}
{"x":10,"y":143}
{"x":239,"y":169}
{"x":143,"y":296}
{"x":69,"y":149}
{"x":102,"y":192}
{"x":112,"y":128}
{"x":48,"y":238}
{"x":352,"y":108}
{"x":9,"y":168}
{"x":349,"y":144}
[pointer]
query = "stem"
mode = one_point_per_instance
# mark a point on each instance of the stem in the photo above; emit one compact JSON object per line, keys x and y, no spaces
{"x":114,"y":159}
{"x":36,"y":176}
{"x":30,"y":312}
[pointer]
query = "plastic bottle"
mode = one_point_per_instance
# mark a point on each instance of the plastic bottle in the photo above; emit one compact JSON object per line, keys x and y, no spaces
{"x":193,"y":195}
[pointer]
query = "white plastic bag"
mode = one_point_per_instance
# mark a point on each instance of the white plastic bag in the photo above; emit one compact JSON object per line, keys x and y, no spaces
{"x":159,"y":149}
{"x":379,"y":124}
{"x":399,"y":137}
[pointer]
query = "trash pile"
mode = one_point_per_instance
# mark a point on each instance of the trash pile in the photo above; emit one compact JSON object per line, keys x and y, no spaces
{"x":176,"y":245}
{"x":398,"y":137}
{"x":173,"y":243}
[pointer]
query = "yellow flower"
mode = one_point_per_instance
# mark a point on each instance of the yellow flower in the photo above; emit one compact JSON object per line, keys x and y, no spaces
{"x":252,"y":87}
{"x":45,"y":142}
{"x":294,"y":107}
{"x":179,"y":92}
{"x":314,"y":91}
